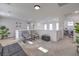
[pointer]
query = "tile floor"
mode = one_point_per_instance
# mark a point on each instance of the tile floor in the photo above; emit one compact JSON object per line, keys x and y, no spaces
{"x":64,"y":47}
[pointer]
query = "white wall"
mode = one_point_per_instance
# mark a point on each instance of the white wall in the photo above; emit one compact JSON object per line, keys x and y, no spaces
{"x":55,"y":35}
{"x":11,"y":24}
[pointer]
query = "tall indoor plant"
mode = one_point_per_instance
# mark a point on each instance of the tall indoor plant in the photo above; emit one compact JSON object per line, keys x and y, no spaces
{"x":4,"y":32}
{"x":77,"y":31}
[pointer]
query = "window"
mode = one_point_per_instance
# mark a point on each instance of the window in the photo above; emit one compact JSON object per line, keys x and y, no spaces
{"x":17,"y":34}
{"x":27,"y":27}
{"x":45,"y":26}
{"x":57,"y":26}
{"x":50,"y":27}
{"x":70,"y":23}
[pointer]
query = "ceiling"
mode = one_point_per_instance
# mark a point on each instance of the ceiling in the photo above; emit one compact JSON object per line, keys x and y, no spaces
{"x":26,"y":11}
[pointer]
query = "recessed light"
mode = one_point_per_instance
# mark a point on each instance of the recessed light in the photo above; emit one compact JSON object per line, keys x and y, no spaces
{"x":36,"y":7}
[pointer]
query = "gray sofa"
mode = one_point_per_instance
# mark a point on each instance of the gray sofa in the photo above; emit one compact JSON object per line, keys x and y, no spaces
{"x":13,"y":50}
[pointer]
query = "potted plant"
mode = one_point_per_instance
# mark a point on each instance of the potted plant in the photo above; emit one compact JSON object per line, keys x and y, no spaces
{"x":4,"y":32}
{"x":77,"y":32}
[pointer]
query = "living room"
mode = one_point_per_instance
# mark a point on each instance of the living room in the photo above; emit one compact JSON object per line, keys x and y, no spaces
{"x":38,"y":28}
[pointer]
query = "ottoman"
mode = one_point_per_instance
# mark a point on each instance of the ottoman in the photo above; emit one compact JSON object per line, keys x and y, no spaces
{"x":45,"y":37}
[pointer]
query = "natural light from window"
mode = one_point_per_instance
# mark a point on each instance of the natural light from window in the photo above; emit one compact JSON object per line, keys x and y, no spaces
{"x":45,"y":26}
{"x":27,"y":27}
{"x":70,"y":23}
{"x":50,"y":27}
{"x":57,"y":26}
